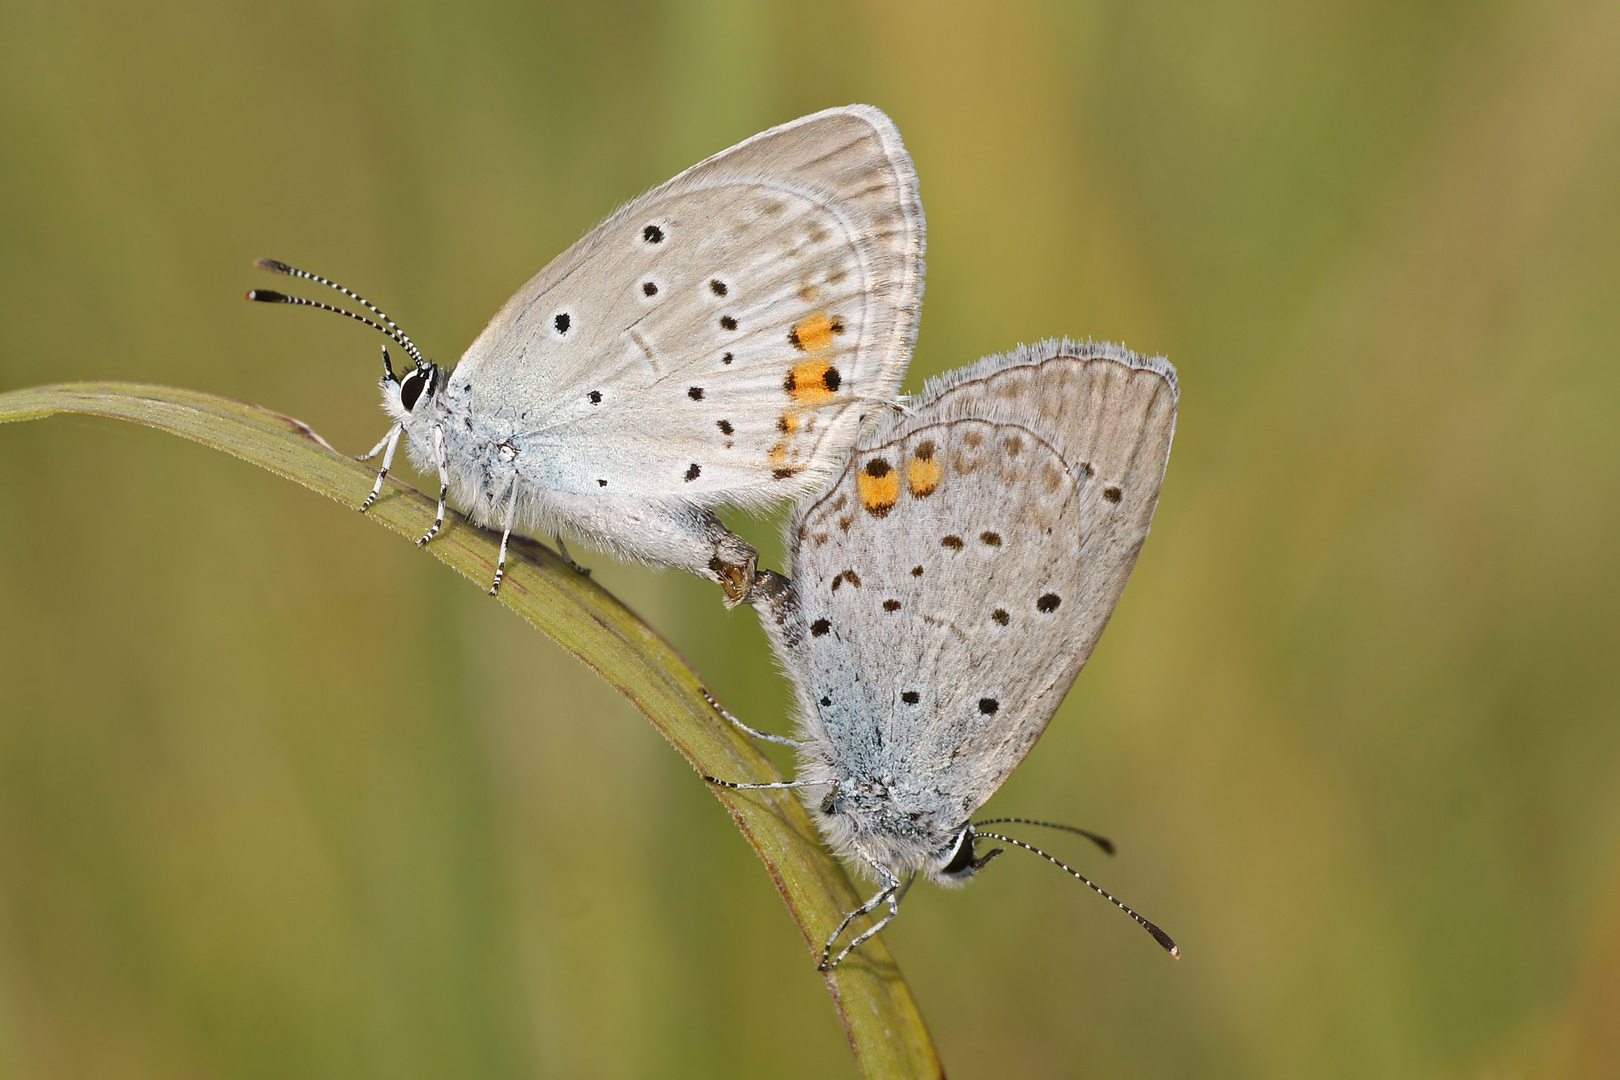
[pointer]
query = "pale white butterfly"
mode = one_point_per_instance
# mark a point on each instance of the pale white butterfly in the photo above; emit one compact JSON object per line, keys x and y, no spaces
{"x":716,"y":341}
{"x":946,"y":590}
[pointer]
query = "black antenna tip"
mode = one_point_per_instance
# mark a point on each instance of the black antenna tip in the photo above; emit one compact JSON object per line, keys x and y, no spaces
{"x":1163,"y":939}
{"x":274,"y":265}
{"x":268,"y":296}
{"x":1101,"y":841}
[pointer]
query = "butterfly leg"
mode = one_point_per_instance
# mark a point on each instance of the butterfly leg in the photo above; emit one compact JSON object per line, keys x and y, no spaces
{"x":444,"y":484}
{"x":745,"y":729}
{"x":386,"y":446}
{"x":889,"y":894}
{"x":779,"y":785}
{"x":506,"y":534}
{"x":562,"y":549}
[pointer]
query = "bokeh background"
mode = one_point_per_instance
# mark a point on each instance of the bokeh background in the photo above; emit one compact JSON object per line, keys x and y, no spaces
{"x":280,"y":796}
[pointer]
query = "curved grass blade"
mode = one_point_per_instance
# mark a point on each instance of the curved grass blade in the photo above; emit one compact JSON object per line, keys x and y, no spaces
{"x":885,"y":1030}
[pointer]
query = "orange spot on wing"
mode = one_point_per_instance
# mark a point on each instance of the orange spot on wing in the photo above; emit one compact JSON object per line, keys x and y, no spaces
{"x":922,"y":475}
{"x":809,"y":381}
{"x":879,"y":486}
{"x":812,"y":333}
{"x":814,"y":380}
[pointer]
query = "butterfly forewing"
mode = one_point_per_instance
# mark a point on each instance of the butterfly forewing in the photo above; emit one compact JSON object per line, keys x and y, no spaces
{"x":733,"y":324}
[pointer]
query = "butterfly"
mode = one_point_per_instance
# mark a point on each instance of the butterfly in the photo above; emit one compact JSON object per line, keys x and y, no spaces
{"x":716,"y":341}
{"x":945,"y":591}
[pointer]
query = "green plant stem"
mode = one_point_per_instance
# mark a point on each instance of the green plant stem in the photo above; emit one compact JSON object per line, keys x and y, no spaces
{"x":885,"y":1030}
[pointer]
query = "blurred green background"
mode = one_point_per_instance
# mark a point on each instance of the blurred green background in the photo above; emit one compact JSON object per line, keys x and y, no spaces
{"x":282,"y":797}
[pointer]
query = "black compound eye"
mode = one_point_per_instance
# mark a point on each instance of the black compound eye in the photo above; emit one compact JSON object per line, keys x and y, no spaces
{"x":961,"y":861}
{"x":410,"y":389}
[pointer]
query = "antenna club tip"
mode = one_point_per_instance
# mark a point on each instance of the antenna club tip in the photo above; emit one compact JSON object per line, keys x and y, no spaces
{"x":275,"y":265}
{"x":1166,"y":942}
{"x":266,"y":296}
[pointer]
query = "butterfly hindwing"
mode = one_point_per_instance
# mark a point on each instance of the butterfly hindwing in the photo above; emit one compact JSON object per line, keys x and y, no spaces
{"x":954,"y":580}
{"x":933,"y":633}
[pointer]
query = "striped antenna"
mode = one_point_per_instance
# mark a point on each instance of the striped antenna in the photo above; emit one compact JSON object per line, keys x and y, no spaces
{"x":1101,"y":841}
{"x":392,"y":330}
{"x":1164,"y":939}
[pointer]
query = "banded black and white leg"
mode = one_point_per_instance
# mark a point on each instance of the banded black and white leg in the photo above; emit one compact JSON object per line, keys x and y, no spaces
{"x":562,"y":549}
{"x":746,"y":730}
{"x":775,"y":785}
{"x":892,"y":885}
{"x":386,"y":447}
{"x":444,"y":484}
{"x":889,"y":894}
{"x":506,"y":534}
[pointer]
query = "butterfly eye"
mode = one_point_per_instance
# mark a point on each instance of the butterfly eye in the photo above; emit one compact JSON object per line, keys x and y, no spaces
{"x":411,"y":387}
{"x":960,"y":861}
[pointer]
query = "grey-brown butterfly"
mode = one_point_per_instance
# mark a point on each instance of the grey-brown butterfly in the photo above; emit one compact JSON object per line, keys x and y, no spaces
{"x":947,"y":588}
{"x":717,"y":341}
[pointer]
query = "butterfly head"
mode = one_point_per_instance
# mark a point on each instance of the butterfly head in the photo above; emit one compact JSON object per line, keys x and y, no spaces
{"x":403,"y":396}
{"x":957,"y":862}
